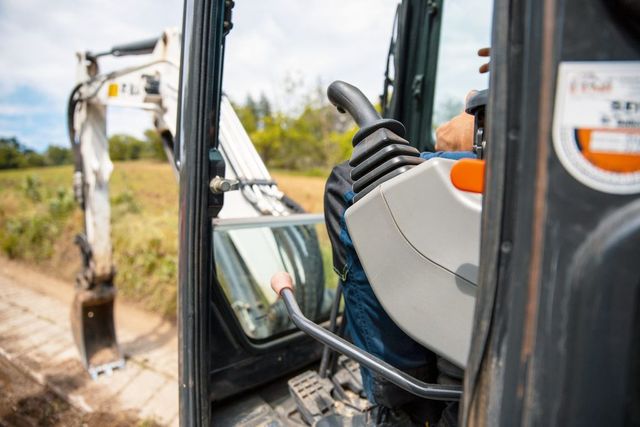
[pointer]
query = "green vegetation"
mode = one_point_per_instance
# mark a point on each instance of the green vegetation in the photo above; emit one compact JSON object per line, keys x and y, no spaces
{"x":144,"y":199}
{"x":14,"y":155}
{"x":313,"y":138}
{"x":32,"y":217}
{"x":126,"y":147}
{"x":39,"y":220}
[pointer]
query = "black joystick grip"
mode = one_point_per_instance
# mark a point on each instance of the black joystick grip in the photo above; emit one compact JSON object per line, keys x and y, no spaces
{"x":348,"y":98}
{"x":379,"y":151}
{"x":477,"y":102}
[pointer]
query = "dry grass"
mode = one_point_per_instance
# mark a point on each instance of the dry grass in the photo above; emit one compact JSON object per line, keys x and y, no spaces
{"x":144,"y":200}
{"x":306,"y":190}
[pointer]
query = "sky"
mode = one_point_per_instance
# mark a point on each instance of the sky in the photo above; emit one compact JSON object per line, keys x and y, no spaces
{"x":310,"y":41}
{"x":460,"y":40}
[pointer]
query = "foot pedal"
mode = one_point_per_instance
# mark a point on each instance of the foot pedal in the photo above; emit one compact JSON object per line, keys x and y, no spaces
{"x":349,"y":375}
{"x":312,"y":395}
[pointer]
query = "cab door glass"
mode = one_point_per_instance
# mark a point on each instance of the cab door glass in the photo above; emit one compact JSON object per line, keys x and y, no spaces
{"x":280,"y":57}
{"x":248,"y":254}
{"x":466,"y":28}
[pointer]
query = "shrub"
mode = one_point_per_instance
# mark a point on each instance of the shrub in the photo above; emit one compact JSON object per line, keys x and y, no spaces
{"x":32,"y":188}
{"x":32,"y":233}
{"x":29,"y":238}
{"x":125,"y":203}
{"x":61,"y":204}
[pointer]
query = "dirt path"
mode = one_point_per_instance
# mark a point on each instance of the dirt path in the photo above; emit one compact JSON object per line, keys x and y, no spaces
{"x":35,"y":338}
{"x":25,"y":402}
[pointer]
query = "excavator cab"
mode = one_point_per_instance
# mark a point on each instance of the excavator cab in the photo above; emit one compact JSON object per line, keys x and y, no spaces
{"x":244,"y":361}
{"x":538,"y":303}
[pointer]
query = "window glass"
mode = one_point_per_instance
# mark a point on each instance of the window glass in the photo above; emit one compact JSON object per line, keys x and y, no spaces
{"x":280,"y":57}
{"x":466,"y":27}
{"x":247,"y":257}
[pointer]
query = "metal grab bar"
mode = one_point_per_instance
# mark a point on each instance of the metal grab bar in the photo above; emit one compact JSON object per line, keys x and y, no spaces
{"x":282,"y":284}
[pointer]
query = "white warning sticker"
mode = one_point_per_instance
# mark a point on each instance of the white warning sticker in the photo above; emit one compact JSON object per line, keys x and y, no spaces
{"x":596,"y":126}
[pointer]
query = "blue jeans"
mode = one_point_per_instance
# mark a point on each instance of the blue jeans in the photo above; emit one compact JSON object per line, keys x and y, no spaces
{"x":453,"y":155}
{"x":370,"y":327}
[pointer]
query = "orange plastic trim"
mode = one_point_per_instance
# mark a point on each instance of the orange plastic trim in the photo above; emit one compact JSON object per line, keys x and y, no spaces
{"x":620,"y":162}
{"x":468,"y":175}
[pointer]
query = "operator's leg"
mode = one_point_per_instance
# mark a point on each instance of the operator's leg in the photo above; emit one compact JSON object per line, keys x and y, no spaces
{"x":369,"y":326}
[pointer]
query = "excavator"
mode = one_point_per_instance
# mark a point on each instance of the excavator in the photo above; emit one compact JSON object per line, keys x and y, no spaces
{"x":246,"y":257}
{"x":517,"y":268}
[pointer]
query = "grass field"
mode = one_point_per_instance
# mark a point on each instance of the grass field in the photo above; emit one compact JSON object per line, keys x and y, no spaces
{"x":39,"y":219}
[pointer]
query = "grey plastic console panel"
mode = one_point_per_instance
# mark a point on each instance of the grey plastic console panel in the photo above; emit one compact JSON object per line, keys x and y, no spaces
{"x":423,"y":271}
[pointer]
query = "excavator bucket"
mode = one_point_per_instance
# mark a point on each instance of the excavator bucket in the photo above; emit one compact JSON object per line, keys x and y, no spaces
{"x":94,"y":331}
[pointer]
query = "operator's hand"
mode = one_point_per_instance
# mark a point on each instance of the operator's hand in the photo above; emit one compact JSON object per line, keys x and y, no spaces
{"x":485,"y":52}
{"x":456,"y":134}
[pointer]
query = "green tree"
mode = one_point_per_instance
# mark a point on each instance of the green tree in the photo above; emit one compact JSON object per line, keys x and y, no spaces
{"x":317,"y":138}
{"x":10,"y":153}
{"x":55,"y":155}
{"x":125,"y":147}
{"x":31,"y":159}
{"x":309,"y":135}
{"x":15,"y":155}
{"x":154,"y":146}
{"x":269,"y":140}
{"x":263,"y":110}
{"x":248,"y":114}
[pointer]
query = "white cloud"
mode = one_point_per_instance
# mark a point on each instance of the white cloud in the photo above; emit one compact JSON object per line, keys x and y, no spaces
{"x":320,"y":40}
{"x":317,"y":39}
{"x":326,"y":40}
{"x":39,"y":42}
{"x":40,"y":38}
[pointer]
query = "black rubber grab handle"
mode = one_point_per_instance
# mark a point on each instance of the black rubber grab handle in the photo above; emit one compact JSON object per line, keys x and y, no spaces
{"x":350,"y":99}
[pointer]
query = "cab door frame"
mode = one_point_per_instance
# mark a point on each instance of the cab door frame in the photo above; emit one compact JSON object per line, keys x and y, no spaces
{"x":197,"y":142}
{"x":559,"y":283}
{"x":217,"y":359}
